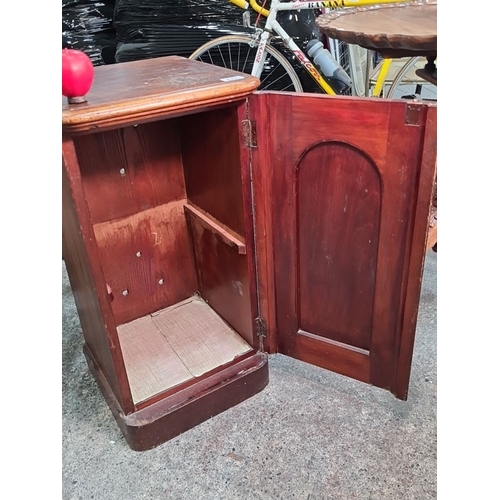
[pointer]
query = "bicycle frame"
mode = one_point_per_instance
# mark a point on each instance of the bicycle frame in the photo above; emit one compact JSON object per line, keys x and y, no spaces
{"x":272,"y":25}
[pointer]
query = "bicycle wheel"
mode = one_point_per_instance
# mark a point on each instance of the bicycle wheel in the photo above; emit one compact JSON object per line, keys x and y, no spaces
{"x":407,"y":85}
{"x":238,"y":53}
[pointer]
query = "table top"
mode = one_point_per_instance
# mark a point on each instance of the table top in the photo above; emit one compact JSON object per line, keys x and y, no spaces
{"x":129,"y":92}
{"x":394,"y":30}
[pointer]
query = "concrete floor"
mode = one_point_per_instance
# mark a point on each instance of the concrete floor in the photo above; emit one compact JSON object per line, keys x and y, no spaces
{"x":311,"y":434}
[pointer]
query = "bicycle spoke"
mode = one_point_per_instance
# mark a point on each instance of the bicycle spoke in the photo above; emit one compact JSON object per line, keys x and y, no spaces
{"x":239,"y":52}
{"x":273,"y":82}
{"x":230,"y":60}
{"x":210,"y":56}
{"x":222,"y":57}
{"x":281,"y":87}
{"x":268,"y":75}
{"x":246,"y":58}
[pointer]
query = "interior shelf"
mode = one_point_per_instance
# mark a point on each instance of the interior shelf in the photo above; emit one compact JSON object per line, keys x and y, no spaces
{"x":174,"y":345}
{"x":208,"y":222}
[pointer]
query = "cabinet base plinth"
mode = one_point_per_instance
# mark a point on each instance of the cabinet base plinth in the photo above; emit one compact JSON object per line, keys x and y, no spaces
{"x":167,"y":418}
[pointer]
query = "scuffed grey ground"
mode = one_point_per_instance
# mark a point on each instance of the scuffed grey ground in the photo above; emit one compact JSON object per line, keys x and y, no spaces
{"x":310,"y":434}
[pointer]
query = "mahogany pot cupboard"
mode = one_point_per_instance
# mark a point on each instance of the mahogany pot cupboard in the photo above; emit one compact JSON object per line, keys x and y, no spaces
{"x":207,"y":225}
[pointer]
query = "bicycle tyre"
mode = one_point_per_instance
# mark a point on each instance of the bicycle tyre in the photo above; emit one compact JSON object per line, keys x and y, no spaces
{"x":399,"y":81}
{"x":238,"y":53}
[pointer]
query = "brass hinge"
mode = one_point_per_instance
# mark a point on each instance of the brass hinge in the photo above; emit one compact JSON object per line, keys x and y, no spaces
{"x":412,"y":116}
{"x":261,"y":330}
{"x":249,"y":135}
{"x":261,"y":327}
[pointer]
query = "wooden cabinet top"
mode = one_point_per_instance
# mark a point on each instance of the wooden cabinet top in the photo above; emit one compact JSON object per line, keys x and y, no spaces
{"x":139,"y":91}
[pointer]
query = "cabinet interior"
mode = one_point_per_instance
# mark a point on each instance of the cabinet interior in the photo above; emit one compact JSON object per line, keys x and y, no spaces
{"x":166,"y":203}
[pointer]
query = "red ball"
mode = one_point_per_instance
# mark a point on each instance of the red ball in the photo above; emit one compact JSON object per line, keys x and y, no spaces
{"x":77,"y":73}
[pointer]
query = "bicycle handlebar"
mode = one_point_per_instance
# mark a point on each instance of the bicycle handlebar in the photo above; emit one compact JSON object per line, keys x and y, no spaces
{"x":257,"y":8}
{"x":243,"y":4}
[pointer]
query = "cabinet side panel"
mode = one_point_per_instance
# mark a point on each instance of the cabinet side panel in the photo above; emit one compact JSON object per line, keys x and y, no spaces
{"x":223,"y":279}
{"x":211,"y":156}
{"x":89,"y":290}
{"x":417,"y":257}
{"x":127,"y":170}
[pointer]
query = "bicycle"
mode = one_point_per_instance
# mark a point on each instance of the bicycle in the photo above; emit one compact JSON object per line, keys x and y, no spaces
{"x":254,"y":53}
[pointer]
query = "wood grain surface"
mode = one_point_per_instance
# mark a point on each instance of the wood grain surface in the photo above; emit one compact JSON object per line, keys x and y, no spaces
{"x":130,"y":169}
{"x":394,"y":30}
{"x":81,"y":257}
{"x":147,"y":260}
{"x":211,"y":158}
{"x":145,"y":90}
{"x":176,"y":344}
{"x":345,"y":227}
{"x":223,"y":277}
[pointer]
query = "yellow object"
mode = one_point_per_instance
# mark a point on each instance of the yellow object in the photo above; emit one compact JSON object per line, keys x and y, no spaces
{"x":258,"y":8}
{"x":242,"y":4}
{"x":381,"y":77}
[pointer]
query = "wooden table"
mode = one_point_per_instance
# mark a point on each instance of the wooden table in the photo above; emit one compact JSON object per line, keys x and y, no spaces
{"x":404,"y":29}
{"x":394,"y":31}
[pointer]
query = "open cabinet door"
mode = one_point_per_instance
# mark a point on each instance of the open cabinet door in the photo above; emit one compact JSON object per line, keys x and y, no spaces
{"x":343,"y":186}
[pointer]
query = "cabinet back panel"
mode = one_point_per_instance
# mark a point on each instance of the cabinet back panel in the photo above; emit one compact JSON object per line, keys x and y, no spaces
{"x":211,"y":156}
{"x":130,"y":169}
{"x":147,"y":260}
{"x":223,"y":278}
